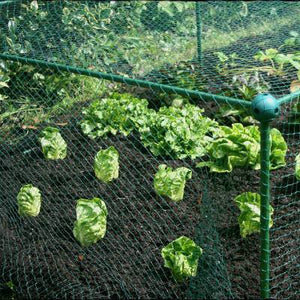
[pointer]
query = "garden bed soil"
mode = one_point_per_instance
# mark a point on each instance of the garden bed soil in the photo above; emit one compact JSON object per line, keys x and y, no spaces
{"x":42,"y":258}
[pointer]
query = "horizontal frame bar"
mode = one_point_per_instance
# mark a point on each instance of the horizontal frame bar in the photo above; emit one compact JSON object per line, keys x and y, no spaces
{"x":130,"y":81}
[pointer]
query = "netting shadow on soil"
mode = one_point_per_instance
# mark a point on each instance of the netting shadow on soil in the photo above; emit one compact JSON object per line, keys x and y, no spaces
{"x":53,"y":57}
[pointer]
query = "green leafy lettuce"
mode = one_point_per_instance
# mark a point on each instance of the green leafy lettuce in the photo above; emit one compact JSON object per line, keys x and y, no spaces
{"x":90,"y":225}
{"x":249,"y":218}
{"x":239,"y":146}
{"x":119,"y":113}
{"x":106,"y":164}
{"x":181,"y":256}
{"x":29,"y":201}
{"x":297,"y":168}
{"x":171,"y":183}
{"x":53,"y":145}
{"x":177,"y":132}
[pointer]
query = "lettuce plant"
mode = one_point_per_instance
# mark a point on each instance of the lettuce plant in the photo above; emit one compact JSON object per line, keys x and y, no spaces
{"x":90,"y":225}
{"x":117,"y":113}
{"x":297,"y":168}
{"x":106,"y":164}
{"x":249,"y":218}
{"x":53,"y":145}
{"x":29,"y":201}
{"x":171,"y":183}
{"x":239,"y":146}
{"x":177,"y":132}
{"x":181,"y":256}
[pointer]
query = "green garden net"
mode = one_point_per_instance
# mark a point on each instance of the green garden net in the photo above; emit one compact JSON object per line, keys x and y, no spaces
{"x":164,"y":83}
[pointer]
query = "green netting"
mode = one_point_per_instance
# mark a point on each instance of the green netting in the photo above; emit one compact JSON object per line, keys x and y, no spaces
{"x":163,"y":83}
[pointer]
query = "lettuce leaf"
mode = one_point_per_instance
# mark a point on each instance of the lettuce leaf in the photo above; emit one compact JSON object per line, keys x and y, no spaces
{"x":297,"y":168}
{"x":90,"y":225}
{"x":249,"y":218}
{"x":53,"y":145}
{"x":29,"y":201}
{"x":119,"y":113}
{"x":106,"y":164}
{"x":239,"y":146}
{"x":181,"y":256}
{"x":278,"y":150}
{"x":177,"y":132}
{"x":171,"y":183}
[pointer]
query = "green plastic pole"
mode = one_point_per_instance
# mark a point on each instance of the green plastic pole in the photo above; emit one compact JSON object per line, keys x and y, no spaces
{"x":198,"y":23}
{"x":264,"y":210}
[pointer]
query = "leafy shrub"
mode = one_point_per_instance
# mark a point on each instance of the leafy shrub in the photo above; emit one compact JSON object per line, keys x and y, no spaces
{"x":297,"y":168}
{"x":106,"y":164}
{"x":171,"y":183}
{"x":177,"y":132}
{"x":90,"y":225}
{"x":239,"y":146}
{"x":249,"y":219}
{"x":53,"y":145}
{"x":118,"y":113}
{"x":181,"y":256}
{"x":29,"y":201}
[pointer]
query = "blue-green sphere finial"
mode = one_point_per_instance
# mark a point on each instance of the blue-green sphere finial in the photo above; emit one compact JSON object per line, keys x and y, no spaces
{"x":265,"y":107}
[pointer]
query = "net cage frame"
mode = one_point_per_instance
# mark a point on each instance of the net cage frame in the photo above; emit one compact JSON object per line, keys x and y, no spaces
{"x":264,"y":119}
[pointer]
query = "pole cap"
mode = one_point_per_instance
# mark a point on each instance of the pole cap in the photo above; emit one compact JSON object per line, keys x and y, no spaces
{"x":265,"y":107}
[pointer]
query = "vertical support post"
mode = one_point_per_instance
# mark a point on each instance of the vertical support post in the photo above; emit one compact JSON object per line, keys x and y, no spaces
{"x":265,"y":209}
{"x":265,"y":108}
{"x":199,"y":29}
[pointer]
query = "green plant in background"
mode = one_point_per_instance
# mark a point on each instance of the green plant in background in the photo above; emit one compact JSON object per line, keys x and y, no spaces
{"x":117,"y":113}
{"x":245,"y":86}
{"x":281,"y":63}
{"x":297,"y":167}
{"x":239,"y":146}
{"x":10,"y":285}
{"x":181,"y":256}
{"x":90,"y":224}
{"x":249,"y":218}
{"x":106,"y":164}
{"x":171,"y":183}
{"x":29,"y":201}
{"x":4,"y":79}
{"x":272,"y":63}
{"x":294,"y":113}
{"x":292,"y":41}
{"x":178,"y":132}
{"x":52,"y":143}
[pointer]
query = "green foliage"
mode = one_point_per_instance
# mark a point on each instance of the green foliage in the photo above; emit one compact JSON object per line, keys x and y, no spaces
{"x":278,"y":150}
{"x":181,"y":256}
{"x":117,"y":113}
{"x":106,"y":164}
{"x":280,"y":63}
{"x":244,"y":86}
{"x":52,"y":143}
{"x":29,"y":201}
{"x":88,"y":34}
{"x":10,"y":285}
{"x":249,"y":218}
{"x":239,"y":146}
{"x":294,"y":113}
{"x":293,"y":40}
{"x":297,"y":167}
{"x":178,"y":132}
{"x":171,"y":183}
{"x":90,"y":225}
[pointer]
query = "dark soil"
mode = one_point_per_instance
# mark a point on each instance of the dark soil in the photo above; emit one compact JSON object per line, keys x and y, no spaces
{"x":42,"y":258}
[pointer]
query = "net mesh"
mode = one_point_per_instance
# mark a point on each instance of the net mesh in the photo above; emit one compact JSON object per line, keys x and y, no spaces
{"x":53,"y":57}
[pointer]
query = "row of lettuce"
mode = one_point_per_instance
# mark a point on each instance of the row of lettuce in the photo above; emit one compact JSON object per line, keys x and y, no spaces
{"x":178,"y":132}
